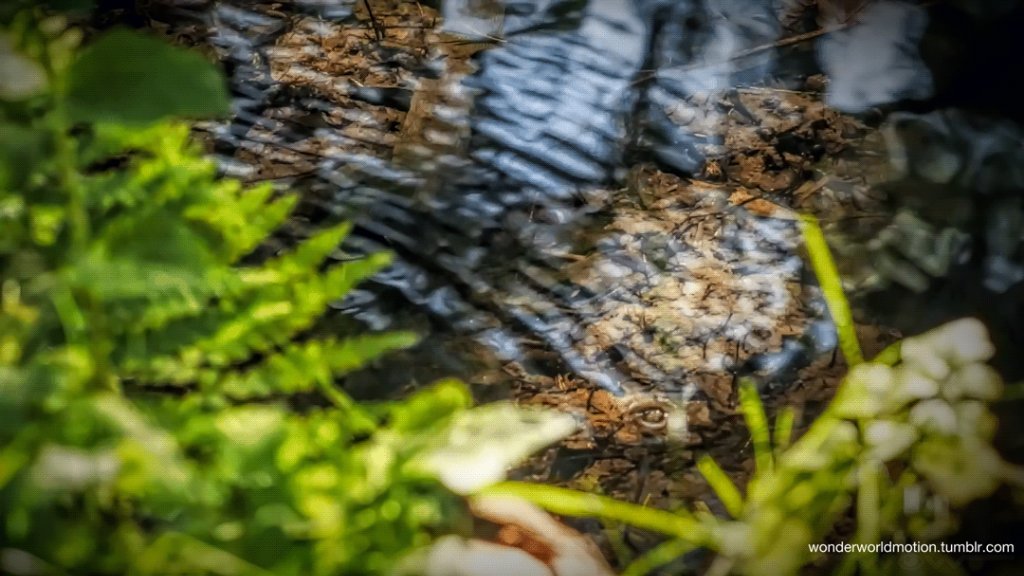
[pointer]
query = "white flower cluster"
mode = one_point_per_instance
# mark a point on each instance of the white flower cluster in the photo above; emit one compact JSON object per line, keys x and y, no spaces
{"x":933,"y":407}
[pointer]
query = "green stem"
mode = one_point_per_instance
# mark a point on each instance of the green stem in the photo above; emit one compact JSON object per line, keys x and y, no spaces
{"x":890,"y":356}
{"x":785,"y":421}
{"x":832,"y":288}
{"x":70,"y":182}
{"x":757,"y":422}
{"x":657,"y":557}
{"x":96,"y":335}
{"x":65,"y":155}
{"x":720,"y":482}
{"x":568,"y":502}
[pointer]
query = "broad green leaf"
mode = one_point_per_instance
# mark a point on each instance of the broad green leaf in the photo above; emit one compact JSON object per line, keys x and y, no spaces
{"x":130,"y":78}
{"x":424,"y":409}
{"x":481,"y":444}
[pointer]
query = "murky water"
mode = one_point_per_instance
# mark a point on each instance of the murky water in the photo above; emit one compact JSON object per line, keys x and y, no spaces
{"x":506,"y":152}
{"x":504,"y":209}
{"x":592,"y":201}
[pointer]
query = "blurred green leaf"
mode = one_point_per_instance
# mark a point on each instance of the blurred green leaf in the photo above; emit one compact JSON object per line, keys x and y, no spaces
{"x":782,"y":435}
{"x":131,"y":78}
{"x":308,"y":366}
{"x":757,"y":422}
{"x":921,"y":564}
{"x":70,"y":5}
{"x":723,"y":486}
{"x":832,"y":288}
{"x":960,"y":470}
{"x":163,"y":407}
{"x":659,"y":556}
{"x":426,"y":408}
{"x":478,"y":446}
{"x":568,"y":502}
{"x":177,"y":553}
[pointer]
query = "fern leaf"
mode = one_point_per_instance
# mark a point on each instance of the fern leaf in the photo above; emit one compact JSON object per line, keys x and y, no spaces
{"x":310,"y":365}
{"x":223,"y":337}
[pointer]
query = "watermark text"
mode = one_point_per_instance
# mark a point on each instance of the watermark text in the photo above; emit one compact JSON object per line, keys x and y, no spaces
{"x":911,"y":548}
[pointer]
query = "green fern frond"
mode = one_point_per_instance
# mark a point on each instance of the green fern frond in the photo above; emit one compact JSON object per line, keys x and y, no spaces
{"x":281,"y":311}
{"x":123,"y":272}
{"x":300,"y":263}
{"x":309,"y":366}
{"x":241,"y":218}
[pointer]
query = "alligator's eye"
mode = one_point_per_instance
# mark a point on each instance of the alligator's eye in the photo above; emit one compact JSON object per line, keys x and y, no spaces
{"x":651,"y":418}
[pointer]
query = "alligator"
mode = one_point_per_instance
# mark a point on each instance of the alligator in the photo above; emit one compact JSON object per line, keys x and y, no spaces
{"x":549,"y":120}
{"x":510,"y":222}
{"x":546,"y":121}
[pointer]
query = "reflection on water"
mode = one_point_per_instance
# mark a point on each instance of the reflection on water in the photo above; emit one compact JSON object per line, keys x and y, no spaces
{"x":503,"y":153}
{"x":516,"y":175}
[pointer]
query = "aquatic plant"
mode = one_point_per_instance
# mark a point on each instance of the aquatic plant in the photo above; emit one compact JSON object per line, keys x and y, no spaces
{"x":164,"y":407}
{"x":904,"y":445}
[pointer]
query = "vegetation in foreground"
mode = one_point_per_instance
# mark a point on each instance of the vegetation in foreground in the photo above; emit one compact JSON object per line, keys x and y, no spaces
{"x":906,"y":443}
{"x":147,"y":369}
